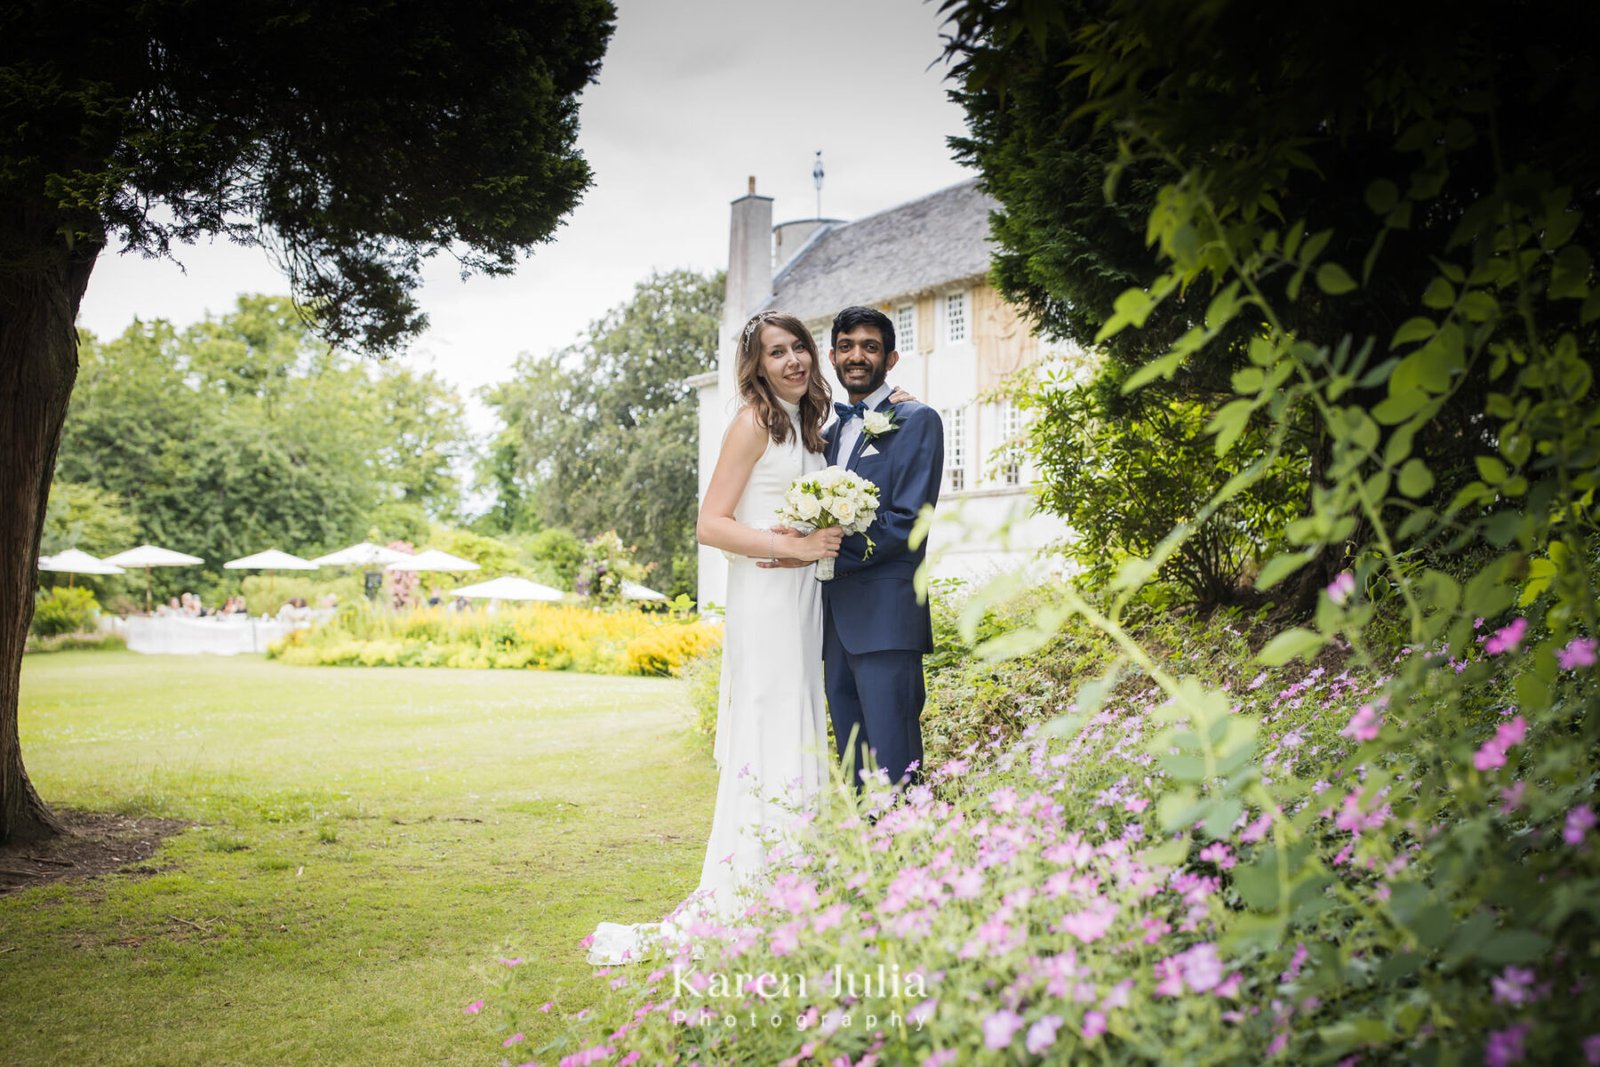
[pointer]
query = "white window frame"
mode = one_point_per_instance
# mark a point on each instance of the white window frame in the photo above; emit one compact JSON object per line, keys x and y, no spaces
{"x":955,"y":449}
{"x":1011,"y":435}
{"x":958,"y":317}
{"x":905,"y":327}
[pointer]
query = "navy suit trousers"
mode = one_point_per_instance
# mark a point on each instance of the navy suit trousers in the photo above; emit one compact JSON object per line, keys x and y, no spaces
{"x":877,"y":698}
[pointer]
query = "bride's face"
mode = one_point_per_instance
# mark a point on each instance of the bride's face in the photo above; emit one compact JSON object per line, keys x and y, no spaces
{"x":785,"y":363}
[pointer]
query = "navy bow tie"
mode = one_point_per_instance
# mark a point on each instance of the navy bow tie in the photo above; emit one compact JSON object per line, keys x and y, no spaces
{"x":850,"y":411}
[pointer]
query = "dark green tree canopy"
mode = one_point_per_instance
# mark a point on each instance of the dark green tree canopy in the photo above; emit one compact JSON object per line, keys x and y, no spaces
{"x":353,"y":140}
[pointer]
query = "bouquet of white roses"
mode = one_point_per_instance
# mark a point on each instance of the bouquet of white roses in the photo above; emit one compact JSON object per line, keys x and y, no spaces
{"x":832,"y":496}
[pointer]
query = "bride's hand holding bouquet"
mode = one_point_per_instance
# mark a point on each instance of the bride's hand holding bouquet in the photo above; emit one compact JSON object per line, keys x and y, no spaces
{"x":831,"y":500}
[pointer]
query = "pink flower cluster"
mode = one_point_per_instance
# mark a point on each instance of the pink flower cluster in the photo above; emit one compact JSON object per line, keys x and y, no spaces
{"x":1492,"y":754}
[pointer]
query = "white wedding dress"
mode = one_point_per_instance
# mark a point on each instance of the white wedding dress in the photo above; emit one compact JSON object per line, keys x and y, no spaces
{"x":771,"y":739}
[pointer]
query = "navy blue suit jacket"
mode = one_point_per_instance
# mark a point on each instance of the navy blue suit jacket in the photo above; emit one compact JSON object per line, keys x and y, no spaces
{"x":871,"y":604}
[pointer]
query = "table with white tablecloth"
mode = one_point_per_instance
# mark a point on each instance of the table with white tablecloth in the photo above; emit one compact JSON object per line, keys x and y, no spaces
{"x":222,"y":635}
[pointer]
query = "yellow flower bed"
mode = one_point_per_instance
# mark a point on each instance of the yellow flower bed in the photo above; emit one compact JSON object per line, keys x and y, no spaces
{"x":533,"y":637}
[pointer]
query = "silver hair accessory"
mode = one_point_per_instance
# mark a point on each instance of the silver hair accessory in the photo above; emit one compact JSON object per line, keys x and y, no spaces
{"x":756,"y":322}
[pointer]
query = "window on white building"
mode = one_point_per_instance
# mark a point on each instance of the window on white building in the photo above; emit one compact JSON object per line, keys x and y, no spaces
{"x":955,"y":317}
{"x":1011,"y":428}
{"x":955,"y":448}
{"x":905,"y":329}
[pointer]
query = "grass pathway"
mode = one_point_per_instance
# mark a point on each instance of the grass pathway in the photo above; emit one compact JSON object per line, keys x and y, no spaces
{"x":366,"y":841}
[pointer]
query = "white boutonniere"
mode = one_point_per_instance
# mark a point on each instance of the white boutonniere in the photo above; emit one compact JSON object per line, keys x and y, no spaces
{"x":876,"y":424}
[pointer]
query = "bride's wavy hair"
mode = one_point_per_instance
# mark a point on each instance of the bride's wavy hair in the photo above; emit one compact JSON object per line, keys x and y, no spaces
{"x":757,"y":392}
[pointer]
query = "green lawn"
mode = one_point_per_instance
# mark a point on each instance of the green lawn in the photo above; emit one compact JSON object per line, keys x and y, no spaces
{"x":366,"y":842}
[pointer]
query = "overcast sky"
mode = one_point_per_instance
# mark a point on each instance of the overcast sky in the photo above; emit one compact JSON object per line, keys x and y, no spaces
{"x":693,"y":96}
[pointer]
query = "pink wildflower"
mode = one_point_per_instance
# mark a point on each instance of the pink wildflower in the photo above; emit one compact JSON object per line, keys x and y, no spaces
{"x":547,"y":1005}
{"x":1492,"y":754}
{"x":1580,"y":821}
{"x":1169,"y":980}
{"x":1505,"y":1047}
{"x":1091,"y":924}
{"x":1042,"y":1034}
{"x":942,"y":1058}
{"x":1580,"y":652}
{"x":1220,"y":854}
{"x":785,"y":939}
{"x":1514,"y":986}
{"x":1001,"y":1028}
{"x":475,"y":1007}
{"x":1340,"y":589}
{"x":1256,"y":830}
{"x":1591,"y":1050}
{"x":1363,"y":725}
{"x":1201,"y":968}
{"x":515,"y":961}
{"x":1511,"y":797}
{"x":514,"y":1039}
{"x":1506,"y":639}
{"x":1094,"y":1024}
{"x":630,"y":1059}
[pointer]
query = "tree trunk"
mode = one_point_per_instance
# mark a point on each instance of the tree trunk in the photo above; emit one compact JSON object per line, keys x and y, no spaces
{"x":42,"y":281}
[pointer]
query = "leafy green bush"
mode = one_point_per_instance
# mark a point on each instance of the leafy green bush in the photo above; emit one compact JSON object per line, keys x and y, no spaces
{"x":1123,"y":471}
{"x":99,"y":642}
{"x":703,"y":675}
{"x":64,"y":611}
{"x":607,"y":563}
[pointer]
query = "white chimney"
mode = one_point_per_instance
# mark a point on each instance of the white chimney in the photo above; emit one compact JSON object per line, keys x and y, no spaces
{"x":749,"y":278}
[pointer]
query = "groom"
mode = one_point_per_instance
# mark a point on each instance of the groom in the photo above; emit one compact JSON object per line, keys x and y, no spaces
{"x":874,"y":632}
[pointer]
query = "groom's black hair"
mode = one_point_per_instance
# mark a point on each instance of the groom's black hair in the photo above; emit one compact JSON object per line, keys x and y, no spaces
{"x":851,"y":317}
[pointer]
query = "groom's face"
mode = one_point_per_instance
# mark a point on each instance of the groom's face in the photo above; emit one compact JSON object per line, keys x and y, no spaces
{"x":860,"y":362}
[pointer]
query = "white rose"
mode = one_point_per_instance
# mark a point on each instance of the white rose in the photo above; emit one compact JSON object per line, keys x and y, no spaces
{"x":808,"y":508}
{"x":876,"y":422}
{"x":827,"y":502}
{"x":844,"y":510}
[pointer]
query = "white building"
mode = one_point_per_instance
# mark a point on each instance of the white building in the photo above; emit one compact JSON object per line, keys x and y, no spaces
{"x":925,"y":264}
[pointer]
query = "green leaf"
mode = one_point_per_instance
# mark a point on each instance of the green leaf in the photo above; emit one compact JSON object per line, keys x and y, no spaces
{"x":1220,"y":817}
{"x":1229,"y":423}
{"x":1190,"y":769}
{"x":1398,"y":407}
{"x":1439,"y":295}
{"x":1291,"y":644}
{"x":1347,"y":1034}
{"x":1419,"y":328}
{"x":1163,"y":367}
{"x":1382,"y":196}
{"x":1169,"y":853}
{"x":1281,"y":566}
{"x":1415,"y":478}
{"x":1491,"y":470}
{"x":1334,"y":279}
{"x":1513,"y":946}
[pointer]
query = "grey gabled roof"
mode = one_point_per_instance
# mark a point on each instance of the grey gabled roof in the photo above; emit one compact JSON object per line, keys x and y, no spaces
{"x":906,"y":250}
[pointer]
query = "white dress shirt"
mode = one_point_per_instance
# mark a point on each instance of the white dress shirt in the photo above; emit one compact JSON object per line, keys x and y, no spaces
{"x":850,"y":429}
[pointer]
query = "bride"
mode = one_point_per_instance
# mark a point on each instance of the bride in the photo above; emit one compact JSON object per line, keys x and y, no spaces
{"x":771,"y":746}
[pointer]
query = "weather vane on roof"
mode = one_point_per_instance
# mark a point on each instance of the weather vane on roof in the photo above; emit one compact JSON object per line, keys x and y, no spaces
{"x":816,"y":176}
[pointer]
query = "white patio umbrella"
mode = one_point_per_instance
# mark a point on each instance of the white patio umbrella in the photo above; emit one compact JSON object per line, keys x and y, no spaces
{"x":148,"y":556}
{"x":432,"y":560}
{"x":365,"y":554}
{"x":270,"y":560}
{"x":509,"y":588}
{"x":635,"y":591}
{"x":72,"y":563}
